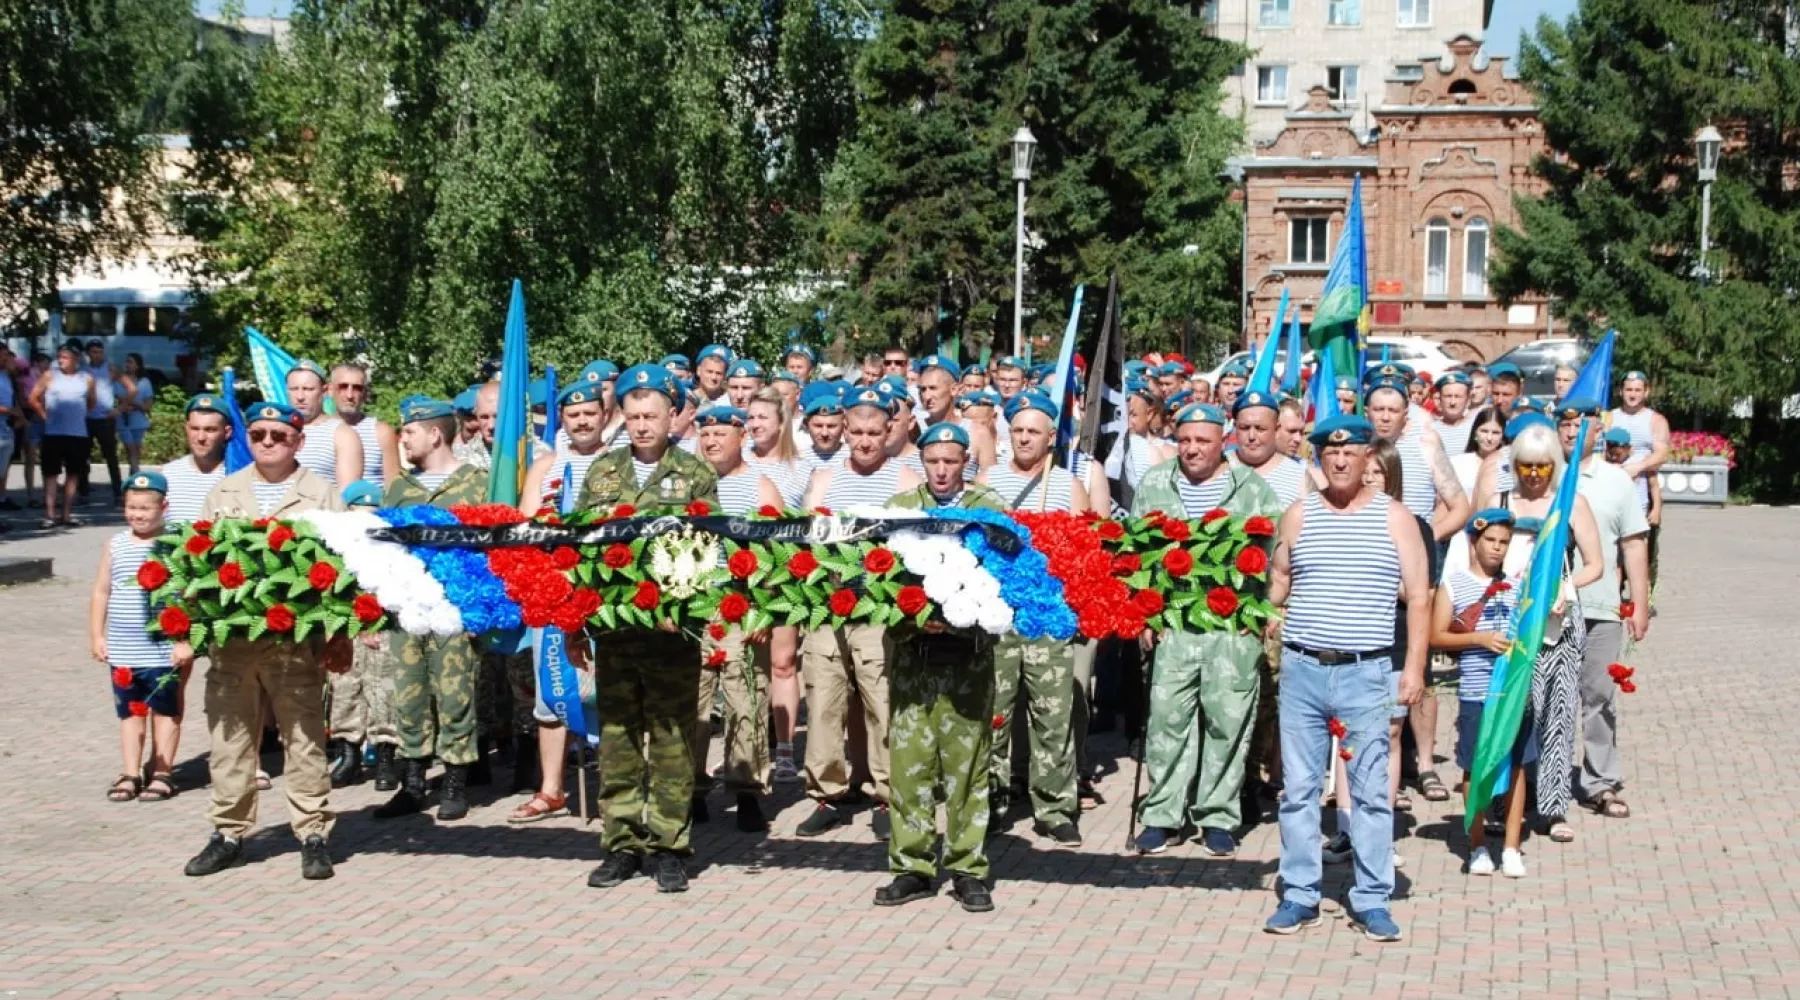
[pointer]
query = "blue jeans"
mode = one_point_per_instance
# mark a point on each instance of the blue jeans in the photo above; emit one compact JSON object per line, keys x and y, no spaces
{"x":1358,"y":695}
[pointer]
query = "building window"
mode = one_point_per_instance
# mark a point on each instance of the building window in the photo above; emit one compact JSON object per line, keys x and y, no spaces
{"x":1209,"y":13}
{"x":1275,"y":13}
{"x":1342,"y":82}
{"x":1437,"y":257}
{"x":1307,"y":240}
{"x":1414,"y":13}
{"x":1343,"y":13}
{"x":1475,"y":259}
{"x":1271,"y":84}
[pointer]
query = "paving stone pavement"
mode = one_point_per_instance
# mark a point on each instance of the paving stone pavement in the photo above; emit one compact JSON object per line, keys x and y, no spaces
{"x":1696,"y":896}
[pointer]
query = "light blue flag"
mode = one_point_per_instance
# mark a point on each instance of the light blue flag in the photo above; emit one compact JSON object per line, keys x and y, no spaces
{"x":1341,"y":319}
{"x":1262,"y":377}
{"x":512,"y":428}
{"x":1290,"y":374}
{"x":1595,"y":379}
{"x":1062,"y":385}
{"x":271,"y":365}
{"x":556,"y":676}
{"x":1324,"y":394}
{"x":237,"y":446}
{"x":552,"y":412}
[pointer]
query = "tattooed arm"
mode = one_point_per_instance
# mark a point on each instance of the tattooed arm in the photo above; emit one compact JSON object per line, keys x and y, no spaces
{"x":1453,"y":508}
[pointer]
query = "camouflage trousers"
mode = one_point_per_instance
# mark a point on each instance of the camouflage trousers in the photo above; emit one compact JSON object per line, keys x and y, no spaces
{"x":645,"y":685}
{"x":942,"y":689}
{"x":1203,"y":694}
{"x":1046,"y":668}
{"x":743,"y":678}
{"x":436,"y":684}
{"x":505,"y":687}
{"x":362,"y":698}
{"x":1264,"y":759}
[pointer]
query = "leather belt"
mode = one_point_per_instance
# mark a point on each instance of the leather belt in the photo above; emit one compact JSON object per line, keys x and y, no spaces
{"x":1335,"y":657}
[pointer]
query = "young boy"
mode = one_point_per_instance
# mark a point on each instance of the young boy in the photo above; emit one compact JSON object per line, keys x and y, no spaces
{"x":1618,"y":452}
{"x":147,"y":679}
{"x":1471,"y":617}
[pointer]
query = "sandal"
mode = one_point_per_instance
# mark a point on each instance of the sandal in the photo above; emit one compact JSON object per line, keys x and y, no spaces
{"x":160,"y":788}
{"x":538,"y":807}
{"x":1560,"y":832}
{"x":1403,"y":801}
{"x":1610,"y":805}
{"x":72,"y":522}
{"x":263,"y":783}
{"x":1432,"y":787}
{"x":124,"y":788}
{"x":47,"y":524}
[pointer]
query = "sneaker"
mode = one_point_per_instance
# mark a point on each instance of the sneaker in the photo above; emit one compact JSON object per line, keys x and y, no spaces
{"x":904,"y":889}
{"x":1154,"y":840}
{"x":1512,"y":864}
{"x":1291,"y":918}
{"x":315,"y":859}
{"x":881,"y":822}
{"x":1337,"y":850}
{"x":785,"y":771}
{"x":1064,"y":834}
{"x":671,"y":874}
{"x":220,"y":853}
{"x":972,"y":893}
{"x":1375,"y":924}
{"x":824,"y":818}
{"x":615,"y":870}
{"x":1217,"y":843}
{"x":1481,"y":862}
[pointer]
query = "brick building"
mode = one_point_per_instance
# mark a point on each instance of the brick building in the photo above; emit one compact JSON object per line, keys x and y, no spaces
{"x":1450,"y":145}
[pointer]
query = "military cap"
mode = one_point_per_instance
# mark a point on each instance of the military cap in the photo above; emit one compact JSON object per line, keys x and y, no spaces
{"x":871,"y":397}
{"x":1009,"y":361}
{"x":783,"y":375}
{"x":1032,"y":401}
{"x":416,"y":408}
{"x":944,"y":433}
{"x":673,"y":361}
{"x":744,"y":368}
{"x":802,"y":350}
{"x":205,"y":402}
{"x":1341,"y":428}
{"x":655,"y":378}
{"x":1172,"y":368}
{"x":1521,"y":421}
{"x":1178,"y":399}
{"x":147,"y":480}
{"x":1200,"y":413}
{"x":579,"y":392}
{"x":1616,"y":436}
{"x":600,"y":371}
{"x":711,"y":351}
{"x":1635,"y":376}
{"x":309,"y":365}
{"x":1485,"y":519}
{"x":721,"y":415}
{"x":1250,"y":399}
{"x":1452,"y":378}
{"x":980,"y":397}
{"x":939,"y":361}
{"x":1580,"y":406}
{"x":1505,"y":369}
{"x":465,"y":400}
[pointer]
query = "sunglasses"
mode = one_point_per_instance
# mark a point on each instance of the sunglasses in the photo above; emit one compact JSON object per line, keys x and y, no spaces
{"x":893,"y":363}
{"x":351,"y":385}
{"x":272,"y":437}
{"x":1536,"y":468}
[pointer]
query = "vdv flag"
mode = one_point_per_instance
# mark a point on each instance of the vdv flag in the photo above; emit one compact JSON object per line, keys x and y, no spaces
{"x":237,"y":446}
{"x":1510,"y":687}
{"x":1341,"y":320}
{"x":1595,"y":380}
{"x":1324,"y":392}
{"x":1062,"y":386}
{"x":271,"y":365}
{"x":512,"y":428}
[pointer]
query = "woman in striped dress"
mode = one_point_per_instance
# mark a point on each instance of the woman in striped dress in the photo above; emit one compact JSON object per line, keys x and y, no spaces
{"x":770,"y":449}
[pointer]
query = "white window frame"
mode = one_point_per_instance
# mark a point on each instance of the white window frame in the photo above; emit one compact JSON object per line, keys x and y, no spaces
{"x":1338,"y":97}
{"x":1272,"y":68}
{"x":1352,"y":7}
{"x":1322,"y":252}
{"x":1275,"y":13}
{"x":1437,"y":229}
{"x":1475,"y":283}
{"x":1407,"y":13}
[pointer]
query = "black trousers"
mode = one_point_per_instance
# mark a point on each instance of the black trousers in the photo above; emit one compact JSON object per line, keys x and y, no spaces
{"x":103,"y":431}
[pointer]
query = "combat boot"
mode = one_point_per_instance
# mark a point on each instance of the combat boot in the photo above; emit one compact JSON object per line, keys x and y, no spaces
{"x":453,"y":794}
{"x":346,"y":765}
{"x":480,"y":774}
{"x":527,"y":774}
{"x":411,"y":796}
{"x":387,"y":770}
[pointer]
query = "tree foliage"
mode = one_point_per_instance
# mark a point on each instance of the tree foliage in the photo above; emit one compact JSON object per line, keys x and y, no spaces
{"x":1622,"y":90}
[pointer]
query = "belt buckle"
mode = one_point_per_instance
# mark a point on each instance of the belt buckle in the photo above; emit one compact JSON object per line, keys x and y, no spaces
{"x":1331,"y":657}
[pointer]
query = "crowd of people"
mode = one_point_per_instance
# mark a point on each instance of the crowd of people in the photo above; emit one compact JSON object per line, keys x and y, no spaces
{"x":55,"y":414}
{"x":1403,"y":522}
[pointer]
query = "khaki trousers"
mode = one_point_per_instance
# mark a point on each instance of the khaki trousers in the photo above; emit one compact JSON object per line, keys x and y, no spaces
{"x":289,"y":677}
{"x":835,"y":661}
{"x":744,"y":679}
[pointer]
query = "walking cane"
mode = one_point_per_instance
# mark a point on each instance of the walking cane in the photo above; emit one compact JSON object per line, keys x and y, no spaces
{"x":1137,"y":776}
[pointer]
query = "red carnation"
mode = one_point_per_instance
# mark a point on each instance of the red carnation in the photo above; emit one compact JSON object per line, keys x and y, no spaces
{"x":1112,"y":531}
{"x":366,"y":609}
{"x":1627,"y":609}
{"x":582,"y":605}
{"x":734,"y":607}
{"x":1259,"y":527}
{"x":1130,"y":628}
{"x":1212,"y":515}
{"x":173,"y":622}
{"x":802,"y":564}
{"x":1175,"y":531}
{"x":715,"y":659}
{"x":617,"y":556}
{"x":1127,"y":564}
{"x":1344,"y":753}
{"x":262,"y":522}
{"x":1179,"y":562}
{"x":648,"y":596}
{"x":1628,"y":687}
{"x":231,"y":575}
{"x":1337,"y":727}
{"x":742,"y":563}
{"x":715,"y":632}
{"x":822,"y":510}
{"x":121,"y":677}
{"x":565,"y":558}
{"x":842,"y":603}
{"x":999,"y":721}
{"x":280,"y":537}
{"x":1222,"y":601}
{"x":878,"y":561}
{"x":279,"y":618}
{"x":911,"y":600}
{"x":769,"y":510}
{"x":203,"y":526}
{"x":322,"y":576}
{"x":1147,"y":602}
{"x":138,"y":708}
{"x":152,"y":575}
{"x":197,"y":545}
{"x":699,"y":508}
{"x":1252,"y":561}
{"x":624,"y":510}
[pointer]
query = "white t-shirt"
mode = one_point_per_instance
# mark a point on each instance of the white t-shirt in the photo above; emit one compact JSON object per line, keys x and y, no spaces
{"x":1611,"y":495}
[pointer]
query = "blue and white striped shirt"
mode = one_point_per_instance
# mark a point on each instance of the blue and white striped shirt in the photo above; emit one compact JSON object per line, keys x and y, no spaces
{"x":1476,"y":666}
{"x":1055,"y":491}
{"x":1287,"y":478}
{"x":1346,"y":578}
{"x":128,"y":608}
{"x":1198,"y":498}
{"x":789,"y":479}
{"x":1419,"y":490}
{"x":738,"y":492}
{"x":568,"y":469}
{"x":319,"y":451}
{"x":372,"y":469}
{"x":269,"y":495}
{"x":849,"y":488}
{"x":188,"y":488}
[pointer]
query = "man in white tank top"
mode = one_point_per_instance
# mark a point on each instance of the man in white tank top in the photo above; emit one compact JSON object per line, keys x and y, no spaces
{"x":1453,"y":417}
{"x":1649,"y":429}
{"x":1431,"y":488}
{"x":332,"y":450}
{"x":377,"y":442}
{"x":709,"y":372}
{"x":1368,"y":548}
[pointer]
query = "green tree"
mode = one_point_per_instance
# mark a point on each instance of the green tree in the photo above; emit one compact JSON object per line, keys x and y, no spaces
{"x":75,"y":78}
{"x":1123,"y":97}
{"x":1622,"y":89}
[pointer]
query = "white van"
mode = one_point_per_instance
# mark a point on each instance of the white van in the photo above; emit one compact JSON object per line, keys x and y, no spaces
{"x":132,"y":311}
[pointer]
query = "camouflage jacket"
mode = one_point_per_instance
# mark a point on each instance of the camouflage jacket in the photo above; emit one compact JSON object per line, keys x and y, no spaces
{"x":466,"y":485}
{"x":679,"y":479}
{"x":1247,"y":496}
{"x":975,"y":495}
{"x":954,"y":642}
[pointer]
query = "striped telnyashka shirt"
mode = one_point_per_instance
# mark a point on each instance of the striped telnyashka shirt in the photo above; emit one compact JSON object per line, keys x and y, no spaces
{"x":372,"y":469}
{"x":1055,"y":491}
{"x":188,"y":487}
{"x":128,"y":608}
{"x":738,"y":492}
{"x":1476,"y":666}
{"x":1346,"y":578}
{"x":1420,"y":490}
{"x":319,"y":451}
{"x":850,"y":489}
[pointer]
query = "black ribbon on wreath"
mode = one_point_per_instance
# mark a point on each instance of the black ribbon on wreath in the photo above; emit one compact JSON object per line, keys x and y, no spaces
{"x":812,"y":530}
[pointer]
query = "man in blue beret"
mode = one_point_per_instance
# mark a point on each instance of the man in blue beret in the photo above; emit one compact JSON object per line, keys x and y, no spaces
{"x":742,"y":380}
{"x":678,"y":365}
{"x":822,"y":418}
{"x":974,"y":378}
{"x":799,"y":361}
{"x":1232,"y":379}
{"x":332,"y":450}
{"x":1195,"y":675}
{"x":1171,"y":375}
{"x":709,"y":372}
{"x":192,"y":476}
{"x":1430,"y":488}
{"x":1009,"y":378}
{"x":938,"y":376}
{"x":1454,"y":419}
{"x":1341,"y":557}
{"x":284,"y":676}
{"x":1504,"y":386}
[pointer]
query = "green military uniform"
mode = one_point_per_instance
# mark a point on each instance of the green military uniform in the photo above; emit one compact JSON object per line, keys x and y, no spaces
{"x":646,"y":682}
{"x":437,"y":671}
{"x":1208,"y":676}
{"x":940,"y":738}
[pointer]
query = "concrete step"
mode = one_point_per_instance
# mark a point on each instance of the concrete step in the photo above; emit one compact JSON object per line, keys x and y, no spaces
{"x":23,"y":569}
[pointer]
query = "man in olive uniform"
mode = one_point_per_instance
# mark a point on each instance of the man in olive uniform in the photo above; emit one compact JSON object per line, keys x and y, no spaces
{"x":646,"y":681}
{"x":941,"y":688}
{"x":436,"y":676}
{"x":1203,"y":685}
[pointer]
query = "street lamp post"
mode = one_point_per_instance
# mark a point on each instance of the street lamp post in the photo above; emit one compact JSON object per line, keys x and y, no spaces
{"x":1707,"y":144}
{"x":1187,"y":320}
{"x":1024,"y":144}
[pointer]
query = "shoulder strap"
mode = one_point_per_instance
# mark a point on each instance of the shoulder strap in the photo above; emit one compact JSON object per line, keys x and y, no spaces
{"x":1019,"y":501}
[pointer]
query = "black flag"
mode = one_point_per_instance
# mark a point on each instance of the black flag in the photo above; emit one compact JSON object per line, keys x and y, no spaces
{"x":1103,"y":427}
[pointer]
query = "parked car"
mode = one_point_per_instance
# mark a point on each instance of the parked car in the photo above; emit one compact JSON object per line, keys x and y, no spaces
{"x":1422,"y":353}
{"x":1538,"y":361}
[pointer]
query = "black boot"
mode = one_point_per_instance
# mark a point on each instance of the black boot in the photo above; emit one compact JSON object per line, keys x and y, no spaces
{"x":479,"y":774}
{"x":411,"y":796}
{"x":453,"y":794}
{"x":750,"y":817}
{"x":700,"y":813}
{"x":387,"y":770}
{"x":527,"y":774}
{"x":346,"y":766}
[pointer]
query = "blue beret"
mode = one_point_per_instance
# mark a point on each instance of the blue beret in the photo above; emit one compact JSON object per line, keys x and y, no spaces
{"x":931,"y":361}
{"x":676,"y":360}
{"x":309,"y":365}
{"x":1341,"y":382}
{"x":1236,"y":369}
{"x":465,"y":400}
{"x":1139,"y":387}
{"x":722,"y":416}
{"x":802,"y":350}
{"x":1008,"y":361}
{"x":1032,"y":401}
{"x":711,"y":351}
{"x":1580,"y":406}
{"x":874,"y":398}
{"x":655,"y":378}
{"x":147,"y":480}
{"x":892,"y":384}
{"x":828,"y":403}
{"x":580,"y":392}
{"x":1531,"y":404}
{"x":600,"y":371}
{"x":1200,"y":413}
{"x":944,"y":433}
{"x":206,"y":402}
{"x":1178,"y":399}
{"x":417,"y":408}
{"x":1388,"y":369}
{"x":280,"y":413}
{"x":744,"y":368}
{"x":783,"y":375}
{"x":362,"y":493}
{"x":1341,"y":428}
{"x":1397,"y":383}
{"x":1134,"y":366}
{"x":1485,"y":519}
{"x":975,"y":368}
{"x":1171,"y":368}
{"x":1453,"y":378}
{"x":1505,"y":369}
{"x":1635,"y":376}
{"x":1252,"y":398}
{"x":1617,"y":435}
{"x":980,"y":397}
{"x":1521,"y":421}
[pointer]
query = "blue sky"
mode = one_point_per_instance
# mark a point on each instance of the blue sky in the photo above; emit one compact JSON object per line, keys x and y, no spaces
{"x":1510,"y":17}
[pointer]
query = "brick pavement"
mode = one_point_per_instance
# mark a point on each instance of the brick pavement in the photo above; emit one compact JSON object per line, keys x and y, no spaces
{"x":1687,"y":899}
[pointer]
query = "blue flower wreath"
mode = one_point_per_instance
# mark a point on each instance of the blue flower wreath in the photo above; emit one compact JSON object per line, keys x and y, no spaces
{"x":464,"y":573}
{"x":1036,"y":597}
